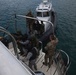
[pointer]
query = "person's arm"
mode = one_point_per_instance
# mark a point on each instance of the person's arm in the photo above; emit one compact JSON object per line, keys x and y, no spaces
{"x":47,"y":46}
{"x":24,"y":43}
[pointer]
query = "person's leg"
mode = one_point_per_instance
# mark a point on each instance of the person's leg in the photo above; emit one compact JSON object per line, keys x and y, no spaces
{"x":50,"y":60}
{"x":35,"y":66}
{"x":45,"y":60}
{"x":30,"y":65}
{"x":34,"y":63}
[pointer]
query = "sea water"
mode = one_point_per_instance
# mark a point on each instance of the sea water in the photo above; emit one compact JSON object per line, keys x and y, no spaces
{"x":66,"y":22}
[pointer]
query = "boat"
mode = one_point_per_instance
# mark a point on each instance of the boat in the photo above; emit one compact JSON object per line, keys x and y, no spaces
{"x":12,"y":63}
{"x":44,"y":22}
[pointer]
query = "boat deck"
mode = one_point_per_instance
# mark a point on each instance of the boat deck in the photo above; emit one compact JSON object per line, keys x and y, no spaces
{"x":40,"y":67}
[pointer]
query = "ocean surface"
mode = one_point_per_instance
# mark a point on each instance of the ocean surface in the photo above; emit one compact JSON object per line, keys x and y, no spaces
{"x":66,"y":22}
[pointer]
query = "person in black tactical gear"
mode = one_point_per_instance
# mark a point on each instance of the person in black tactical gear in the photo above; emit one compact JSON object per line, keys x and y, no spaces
{"x":31,"y":56}
{"x":22,"y":44}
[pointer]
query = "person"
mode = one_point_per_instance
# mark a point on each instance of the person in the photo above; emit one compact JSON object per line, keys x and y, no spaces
{"x":36,"y":26}
{"x":34,"y":41}
{"x":50,"y":49}
{"x":22,"y":44}
{"x":31,"y":56}
{"x":4,"y":41}
{"x":18,"y":35}
{"x":30,"y":22}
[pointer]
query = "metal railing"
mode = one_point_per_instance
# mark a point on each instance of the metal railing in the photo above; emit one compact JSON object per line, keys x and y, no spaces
{"x":58,"y":66}
{"x":38,"y":20}
{"x":13,"y":39}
